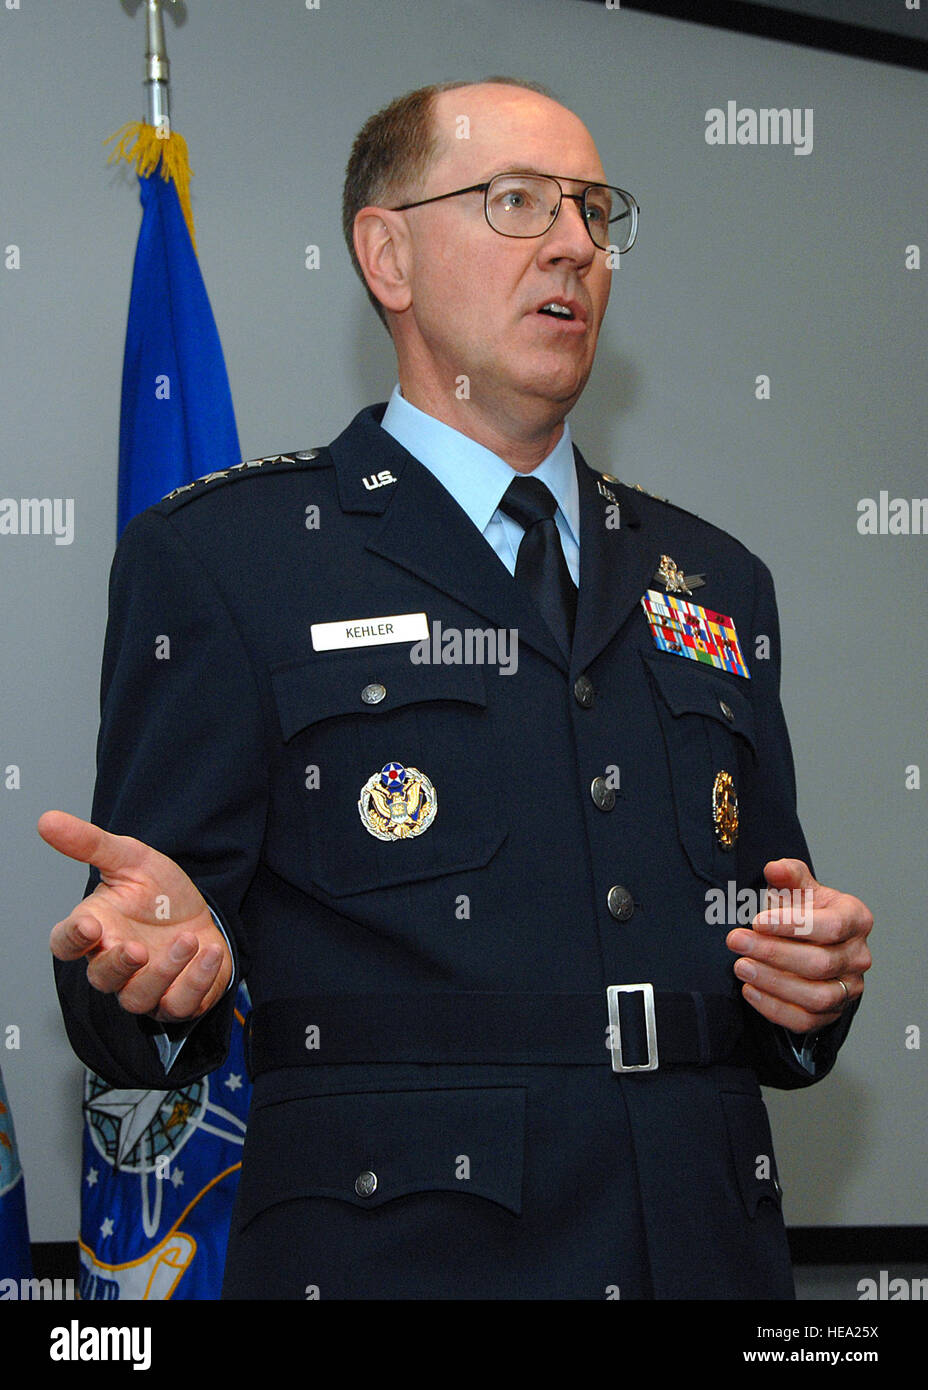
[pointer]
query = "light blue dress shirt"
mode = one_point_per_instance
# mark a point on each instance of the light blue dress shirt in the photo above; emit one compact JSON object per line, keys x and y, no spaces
{"x":477,"y":479}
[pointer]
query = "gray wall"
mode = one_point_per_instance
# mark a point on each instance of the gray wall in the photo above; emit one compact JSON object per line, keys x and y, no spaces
{"x":750,"y":260}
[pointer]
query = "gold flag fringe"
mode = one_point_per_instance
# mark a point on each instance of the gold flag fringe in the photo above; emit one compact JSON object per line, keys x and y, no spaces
{"x":143,"y":146}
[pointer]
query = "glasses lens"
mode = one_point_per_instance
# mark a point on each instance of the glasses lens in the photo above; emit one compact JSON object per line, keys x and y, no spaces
{"x":522,"y":204}
{"x":610,"y":216}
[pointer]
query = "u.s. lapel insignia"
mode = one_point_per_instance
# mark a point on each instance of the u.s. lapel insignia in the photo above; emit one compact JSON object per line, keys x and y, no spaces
{"x":397,"y":802}
{"x":725,"y":810}
{"x":376,"y":480}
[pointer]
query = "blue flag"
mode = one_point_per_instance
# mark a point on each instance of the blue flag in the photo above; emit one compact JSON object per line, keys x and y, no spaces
{"x":160,"y":1173}
{"x":15,"y":1259}
{"x":177,"y":421}
{"x":161,"y":1168}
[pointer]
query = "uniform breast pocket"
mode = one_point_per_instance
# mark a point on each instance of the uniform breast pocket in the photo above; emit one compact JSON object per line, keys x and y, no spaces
{"x":345,"y":820}
{"x":707,"y":723}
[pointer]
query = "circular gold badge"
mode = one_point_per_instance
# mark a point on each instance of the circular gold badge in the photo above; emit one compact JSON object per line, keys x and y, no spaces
{"x":725,"y":809}
{"x":397,"y":802}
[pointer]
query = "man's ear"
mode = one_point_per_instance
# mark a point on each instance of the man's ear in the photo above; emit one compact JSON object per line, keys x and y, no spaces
{"x":380,"y":244}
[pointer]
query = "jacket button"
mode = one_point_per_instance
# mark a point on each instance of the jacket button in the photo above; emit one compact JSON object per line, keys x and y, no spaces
{"x":365,"y":1184}
{"x":726,"y":710}
{"x":583,"y":691}
{"x":603,"y":795}
{"x":620,"y":904}
{"x":373,"y":694}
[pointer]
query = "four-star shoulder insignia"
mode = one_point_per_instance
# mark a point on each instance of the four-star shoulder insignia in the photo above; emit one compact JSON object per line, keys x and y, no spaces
{"x":611,"y":478}
{"x":249,"y":465}
{"x":667,"y":502}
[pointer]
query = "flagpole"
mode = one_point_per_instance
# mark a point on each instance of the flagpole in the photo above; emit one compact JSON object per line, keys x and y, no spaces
{"x":157,"y":70}
{"x":151,"y":144}
{"x":157,"y":67}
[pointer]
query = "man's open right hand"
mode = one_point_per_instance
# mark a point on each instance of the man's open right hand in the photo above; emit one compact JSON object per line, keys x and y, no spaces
{"x":146,"y":930}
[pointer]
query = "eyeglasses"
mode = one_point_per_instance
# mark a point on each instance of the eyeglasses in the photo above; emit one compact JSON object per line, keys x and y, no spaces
{"x":527,"y":205}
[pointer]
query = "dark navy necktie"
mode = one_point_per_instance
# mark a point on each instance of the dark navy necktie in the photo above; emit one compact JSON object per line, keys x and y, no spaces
{"x":540,"y":563}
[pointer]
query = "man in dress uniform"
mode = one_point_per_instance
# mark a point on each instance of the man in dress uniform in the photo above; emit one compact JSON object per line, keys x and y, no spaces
{"x":505,"y":1042}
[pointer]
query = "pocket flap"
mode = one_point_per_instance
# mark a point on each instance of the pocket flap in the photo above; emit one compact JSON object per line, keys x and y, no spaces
{"x":689,"y":687}
{"x":369,"y":1148}
{"x":331,"y":684}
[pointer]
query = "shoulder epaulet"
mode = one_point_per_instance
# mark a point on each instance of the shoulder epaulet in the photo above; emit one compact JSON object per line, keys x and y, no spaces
{"x":643,"y":492}
{"x":667,"y":503}
{"x":300,"y":458}
{"x":611,"y":478}
{"x":656,"y":495}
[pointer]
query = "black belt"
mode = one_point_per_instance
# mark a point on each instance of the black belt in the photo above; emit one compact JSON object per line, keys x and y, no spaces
{"x":639,"y":1028}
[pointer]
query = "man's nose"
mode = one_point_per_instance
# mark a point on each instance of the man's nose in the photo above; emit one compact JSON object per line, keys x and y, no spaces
{"x":569,"y":229}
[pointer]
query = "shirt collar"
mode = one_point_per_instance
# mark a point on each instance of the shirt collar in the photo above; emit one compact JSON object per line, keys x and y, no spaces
{"x":475,"y":476}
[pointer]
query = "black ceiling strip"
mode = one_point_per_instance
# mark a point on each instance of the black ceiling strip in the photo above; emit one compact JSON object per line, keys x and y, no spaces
{"x":786,"y":26}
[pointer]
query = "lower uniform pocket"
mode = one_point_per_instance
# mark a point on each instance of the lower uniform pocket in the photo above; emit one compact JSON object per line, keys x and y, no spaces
{"x":366,"y":1149}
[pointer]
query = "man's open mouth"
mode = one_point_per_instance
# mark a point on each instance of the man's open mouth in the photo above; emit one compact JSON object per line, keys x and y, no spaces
{"x":558,"y":311}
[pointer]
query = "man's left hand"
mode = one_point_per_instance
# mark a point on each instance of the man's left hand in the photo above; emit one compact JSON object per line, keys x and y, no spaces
{"x":805,"y":958}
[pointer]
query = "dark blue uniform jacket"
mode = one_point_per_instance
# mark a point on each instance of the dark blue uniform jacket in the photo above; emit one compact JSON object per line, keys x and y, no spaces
{"x":436,"y":1113}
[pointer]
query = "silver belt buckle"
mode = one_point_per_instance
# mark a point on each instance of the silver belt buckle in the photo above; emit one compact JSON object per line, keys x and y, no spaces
{"x":615,"y":1027}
